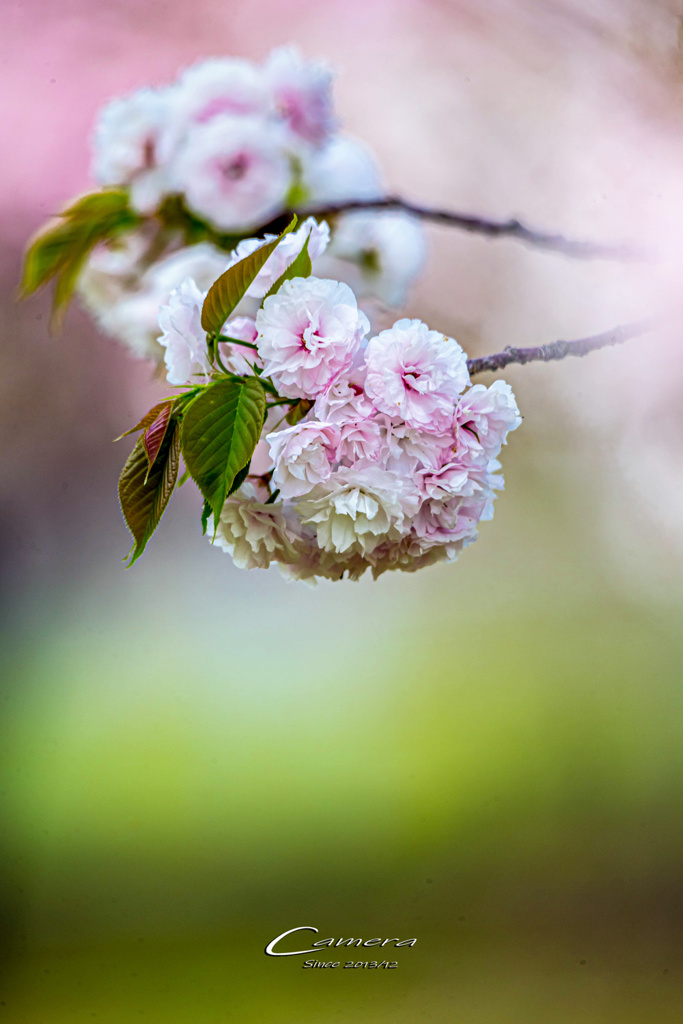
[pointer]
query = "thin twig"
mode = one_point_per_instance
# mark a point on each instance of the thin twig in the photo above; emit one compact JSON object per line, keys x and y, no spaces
{"x":511,"y":228}
{"x":559,"y":349}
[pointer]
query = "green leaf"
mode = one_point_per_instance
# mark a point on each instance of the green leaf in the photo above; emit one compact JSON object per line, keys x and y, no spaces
{"x":225,"y":293}
{"x":144,"y":492}
{"x":46,"y":255}
{"x":297,"y":196}
{"x":239,"y":479}
{"x":299,"y":267}
{"x":221,"y":428}
{"x":153,"y":437}
{"x":206,"y":513}
{"x":98,"y":206}
{"x":60,"y":250}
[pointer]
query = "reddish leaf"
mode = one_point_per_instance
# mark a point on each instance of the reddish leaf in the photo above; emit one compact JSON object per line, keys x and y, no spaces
{"x":144,"y":493}
{"x":154,"y":435}
{"x":148,"y":419}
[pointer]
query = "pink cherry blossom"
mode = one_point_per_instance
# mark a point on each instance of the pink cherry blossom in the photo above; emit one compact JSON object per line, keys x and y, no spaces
{"x":444,"y":523}
{"x":450,"y":480}
{"x":209,"y":89}
{"x":406,"y":449}
{"x":484,"y":417}
{"x":309,"y":333}
{"x":416,"y":374}
{"x":344,"y":400}
{"x":359,"y":440}
{"x":302,"y":456}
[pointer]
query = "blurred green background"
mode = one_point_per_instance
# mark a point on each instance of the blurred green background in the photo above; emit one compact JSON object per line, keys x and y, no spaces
{"x":486,"y":756}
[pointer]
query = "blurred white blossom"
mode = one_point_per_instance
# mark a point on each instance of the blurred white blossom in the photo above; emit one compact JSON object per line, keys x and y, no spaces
{"x":126,"y":143}
{"x":380,"y":254}
{"x":344,"y":170}
{"x":302,"y":91}
{"x":232,"y":171}
{"x":125,"y":297}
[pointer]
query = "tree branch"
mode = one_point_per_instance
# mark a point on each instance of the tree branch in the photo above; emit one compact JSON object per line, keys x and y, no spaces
{"x":482,"y":226}
{"x":559,"y":349}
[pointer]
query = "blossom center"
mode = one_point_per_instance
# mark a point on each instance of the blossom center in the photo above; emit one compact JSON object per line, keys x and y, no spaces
{"x":311,"y":338}
{"x":411,"y":379}
{"x":235,"y":169}
{"x":148,"y":153}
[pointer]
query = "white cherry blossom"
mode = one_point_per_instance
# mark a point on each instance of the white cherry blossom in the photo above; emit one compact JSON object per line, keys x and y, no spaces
{"x":183,"y":336}
{"x":254,"y":533}
{"x":344,"y":400}
{"x":359,"y":440}
{"x":358,"y":507}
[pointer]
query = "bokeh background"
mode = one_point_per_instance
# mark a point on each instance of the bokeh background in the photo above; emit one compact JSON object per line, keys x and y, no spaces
{"x":485,"y":756}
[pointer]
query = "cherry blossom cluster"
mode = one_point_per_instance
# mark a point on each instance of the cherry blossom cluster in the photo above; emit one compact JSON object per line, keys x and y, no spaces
{"x":238,"y":144}
{"x":394,"y":461}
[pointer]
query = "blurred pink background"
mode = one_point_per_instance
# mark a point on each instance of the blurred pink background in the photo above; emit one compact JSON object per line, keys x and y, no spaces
{"x":567,"y":115}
